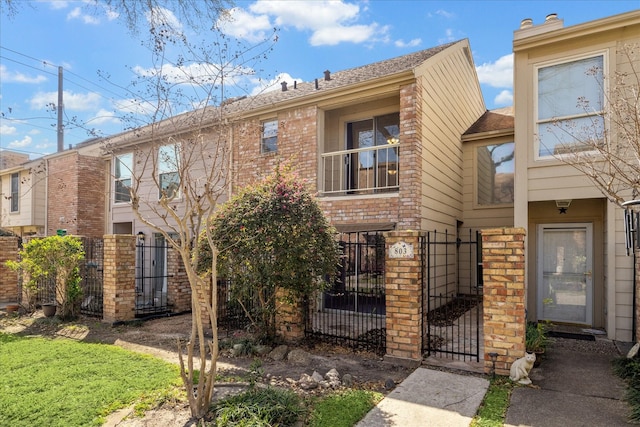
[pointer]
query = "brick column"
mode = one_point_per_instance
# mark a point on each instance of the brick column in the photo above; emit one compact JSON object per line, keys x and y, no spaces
{"x":8,"y":277}
{"x":178,"y":287}
{"x":504,"y":296}
{"x":403,"y":288}
{"x":119,"y":277}
{"x":289,"y":317}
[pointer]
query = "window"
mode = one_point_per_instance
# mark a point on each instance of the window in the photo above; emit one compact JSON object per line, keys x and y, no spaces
{"x":494,"y":174}
{"x":15,"y":191}
{"x":269,"y":142}
{"x":168,"y":175}
{"x":123,"y":168}
{"x":373,"y":161}
{"x":570,"y":104}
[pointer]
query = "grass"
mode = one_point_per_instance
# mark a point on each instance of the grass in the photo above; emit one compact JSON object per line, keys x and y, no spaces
{"x":343,"y":409}
{"x":493,"y":408}
{"x":629,"y":370}
{"x":59,"y":382}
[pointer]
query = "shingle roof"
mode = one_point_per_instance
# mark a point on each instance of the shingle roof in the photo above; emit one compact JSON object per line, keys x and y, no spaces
{"x":339,"y":79}
{"x":493,"y":120}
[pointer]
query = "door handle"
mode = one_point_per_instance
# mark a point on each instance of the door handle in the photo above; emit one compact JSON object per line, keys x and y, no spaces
{"x":587,"y":273}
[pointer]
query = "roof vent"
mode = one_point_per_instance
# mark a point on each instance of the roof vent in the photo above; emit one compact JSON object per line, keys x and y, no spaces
{"x":526,"y":23}
{"x":551,"y":17}
{"x":316,"y":84}
{"x":284,"y":86}
{"x":295,"y":84}
{"x":327,"y":75}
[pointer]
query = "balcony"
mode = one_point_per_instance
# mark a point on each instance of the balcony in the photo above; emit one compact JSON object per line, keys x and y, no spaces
{"x":368,"y":170}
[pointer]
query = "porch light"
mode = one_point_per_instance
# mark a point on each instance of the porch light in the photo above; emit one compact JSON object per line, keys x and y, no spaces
{"x":392,"y":140}
{"x":563,"y":203}
{"x":140,"y":236}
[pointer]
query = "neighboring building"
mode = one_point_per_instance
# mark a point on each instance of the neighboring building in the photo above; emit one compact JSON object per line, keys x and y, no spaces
{"x":578,"y":271}
{"x":9,"y":159}
{"x":22,"y":199}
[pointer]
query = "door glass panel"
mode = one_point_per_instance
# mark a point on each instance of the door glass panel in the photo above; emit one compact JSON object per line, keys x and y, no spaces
{"x":565,"y":275}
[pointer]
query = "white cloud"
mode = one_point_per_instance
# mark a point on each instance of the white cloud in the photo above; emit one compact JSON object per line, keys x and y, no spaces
{"x":262,"y":86}
{"x":76,"y":13}
{"x":7,"y":130}
{"x":505,"y":97}
{"x":497,"y":74}
{"x":243,"y":25}
{"x":445,"y":14}
{"x":163,"y":17}
{"x":103,"y":117}
{"x":330,"y":22}
{"x":410,"y":43}
{"x":21,"y":143}
{"x":58,"y":4}
{"x":7,"y":76}
{"x":72,"y":101}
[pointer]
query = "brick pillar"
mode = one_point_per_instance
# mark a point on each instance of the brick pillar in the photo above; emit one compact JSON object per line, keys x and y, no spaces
{"x":504,"y":296}
{"x":8,"y":277}
{"x":403,"y":288}
{"x":178,"y":287}
{"x":289,"y":317}
{"x":119,"y":277}
{"x":636,"y":257}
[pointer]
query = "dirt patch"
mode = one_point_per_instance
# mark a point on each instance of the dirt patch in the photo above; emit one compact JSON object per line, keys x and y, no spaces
{"x":159,"y":338}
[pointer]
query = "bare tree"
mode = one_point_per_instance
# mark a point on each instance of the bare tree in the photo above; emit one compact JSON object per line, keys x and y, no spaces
{"x":180,"y":172}
{"x":607,"y":147}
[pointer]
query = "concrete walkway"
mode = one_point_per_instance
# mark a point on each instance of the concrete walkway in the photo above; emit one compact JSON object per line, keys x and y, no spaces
{"x":429,"y":398}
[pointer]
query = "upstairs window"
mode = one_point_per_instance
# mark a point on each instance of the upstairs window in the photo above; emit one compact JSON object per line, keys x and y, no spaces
{"x":494,"y":174}
{"x":269,"y":142}
{"x":168,"y":171}
{"x":570,"y":105}
{"x":15,"y":191}
{"x":123,"y":167}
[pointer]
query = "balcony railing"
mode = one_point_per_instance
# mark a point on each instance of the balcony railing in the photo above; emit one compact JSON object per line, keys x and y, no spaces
{"x":361,"y":171}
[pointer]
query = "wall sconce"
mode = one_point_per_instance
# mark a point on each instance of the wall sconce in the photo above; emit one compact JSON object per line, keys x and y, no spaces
{"x":494,"y":358}
{"x":563,"y":205}
{"x":140,"y":236}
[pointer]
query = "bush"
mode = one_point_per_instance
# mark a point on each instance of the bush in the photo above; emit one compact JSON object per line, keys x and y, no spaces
{"x":264,"y":407}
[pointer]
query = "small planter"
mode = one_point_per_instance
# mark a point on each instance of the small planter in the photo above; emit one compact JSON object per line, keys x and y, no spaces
{"x":49,"y":310}
{"x":12,"y":308}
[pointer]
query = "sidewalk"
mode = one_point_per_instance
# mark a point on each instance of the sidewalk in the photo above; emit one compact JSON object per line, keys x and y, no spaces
{"x":574,"y":386}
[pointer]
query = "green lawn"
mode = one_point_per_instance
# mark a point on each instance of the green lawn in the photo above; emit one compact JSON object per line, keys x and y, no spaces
{"x":59,"y":382}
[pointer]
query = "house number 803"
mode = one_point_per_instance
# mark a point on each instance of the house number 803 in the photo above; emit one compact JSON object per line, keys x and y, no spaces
{"x":401,"y":250}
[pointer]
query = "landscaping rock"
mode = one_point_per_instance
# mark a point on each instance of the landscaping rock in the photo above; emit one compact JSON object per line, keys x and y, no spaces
{"x":262,"y":350}
{"x":347,"y":380}
{"x":389,"y":384}
{"x":333,"y":378}
{"x":279,"y":352}
{"x":299,"y":357}
{"x":307,"y":382}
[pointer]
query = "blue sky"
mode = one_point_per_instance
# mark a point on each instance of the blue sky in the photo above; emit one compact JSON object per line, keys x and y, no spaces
{"x":101,"y":58}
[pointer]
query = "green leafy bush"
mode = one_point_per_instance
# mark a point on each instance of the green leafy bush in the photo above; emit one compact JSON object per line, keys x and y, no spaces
{"x":259,"y":407}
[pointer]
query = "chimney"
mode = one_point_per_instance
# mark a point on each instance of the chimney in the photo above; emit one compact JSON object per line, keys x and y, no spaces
{"x":284,"y":86}
{"x":526,"y":23}
{"x":327,"y":75}
{"x":551,"y":17}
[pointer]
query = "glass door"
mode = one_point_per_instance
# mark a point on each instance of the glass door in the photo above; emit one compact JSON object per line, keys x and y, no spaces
{"x":565,"y":285}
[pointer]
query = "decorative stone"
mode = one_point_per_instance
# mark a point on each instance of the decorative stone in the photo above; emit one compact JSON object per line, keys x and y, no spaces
{"x":389,"y":384}
{"x":347,"y":380}
{"x":299,"y":357}
{"x":634,"y":351}
{"x":279,"y":352}
{"x":519,"y":371}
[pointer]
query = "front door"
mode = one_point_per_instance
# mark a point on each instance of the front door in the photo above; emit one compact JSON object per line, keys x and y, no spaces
{"x":564,"y":267}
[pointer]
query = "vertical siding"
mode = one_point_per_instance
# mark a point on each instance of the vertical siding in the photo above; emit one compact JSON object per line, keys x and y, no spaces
{"x":451,"y":102}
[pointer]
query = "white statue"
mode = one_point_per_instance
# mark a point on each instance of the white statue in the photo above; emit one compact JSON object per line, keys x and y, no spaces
{"x":520,"y":369}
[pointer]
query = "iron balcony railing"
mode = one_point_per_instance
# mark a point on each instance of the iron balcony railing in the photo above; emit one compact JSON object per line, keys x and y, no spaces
{"x":361,"y":171}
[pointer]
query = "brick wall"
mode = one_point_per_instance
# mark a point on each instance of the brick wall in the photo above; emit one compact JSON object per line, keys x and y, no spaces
{"x":76,"y":195}
{"x":637,"y":286}
{"x":403,"y":287}
{"x":504,"y":297}
{"x":8,"y":278}
{"x":119,"y":278}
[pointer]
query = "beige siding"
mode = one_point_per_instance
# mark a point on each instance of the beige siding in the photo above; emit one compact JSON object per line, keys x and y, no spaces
{"x":451,"y":102}
{"x":30,"y":215}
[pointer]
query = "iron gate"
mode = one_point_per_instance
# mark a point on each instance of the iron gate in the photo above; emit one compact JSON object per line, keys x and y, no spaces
{"x":91,"y":270}
{"x":452,"y":295}
{"x":151,"y":277}
{"x":352,"y":311}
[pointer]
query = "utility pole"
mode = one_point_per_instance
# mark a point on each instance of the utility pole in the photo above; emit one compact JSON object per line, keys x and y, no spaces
{"x":60,"y":109}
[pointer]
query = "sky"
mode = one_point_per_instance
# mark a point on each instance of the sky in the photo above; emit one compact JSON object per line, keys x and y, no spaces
{"x":103,"y":64}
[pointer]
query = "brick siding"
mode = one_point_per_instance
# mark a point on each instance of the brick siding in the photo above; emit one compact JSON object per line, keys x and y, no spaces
{"x":8,"y":278}
{"x":119,"y":278}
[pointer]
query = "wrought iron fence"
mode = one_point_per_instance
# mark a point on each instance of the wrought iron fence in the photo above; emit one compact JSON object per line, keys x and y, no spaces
{"x":91,"y":271}
{"x":151,"y":278}
{"x":352,"y":311}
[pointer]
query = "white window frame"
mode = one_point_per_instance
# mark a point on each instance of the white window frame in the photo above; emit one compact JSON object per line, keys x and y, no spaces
{"x":537,"y":121}
{"x":125,"y":174}
{"x":15,"y":192}
{"x":476,"y":202}
{"x":169,"y":164}
{"x":269,"y":136}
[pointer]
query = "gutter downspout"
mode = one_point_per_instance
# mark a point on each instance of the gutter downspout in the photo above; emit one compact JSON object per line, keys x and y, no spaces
{"x":46,"y":198}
